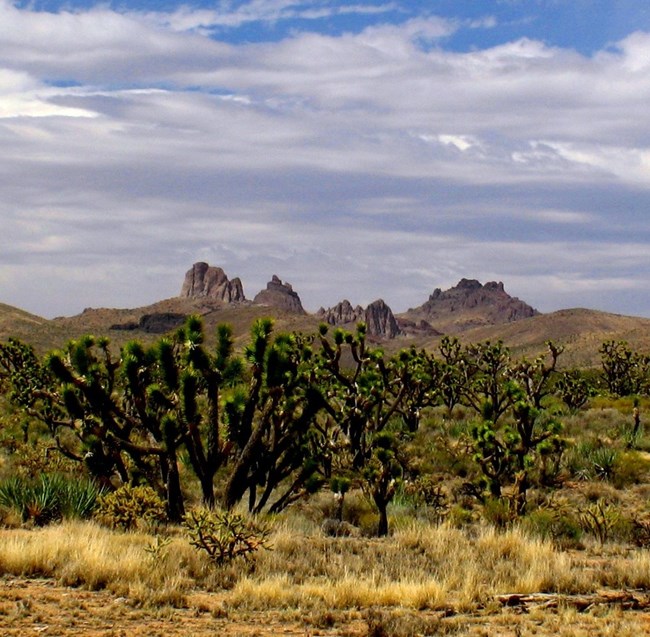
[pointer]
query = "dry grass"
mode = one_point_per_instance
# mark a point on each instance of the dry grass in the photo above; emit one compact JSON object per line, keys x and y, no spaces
{"x":85,"y":554}
{"x":404,"y":585}
{"x":420,"y":567}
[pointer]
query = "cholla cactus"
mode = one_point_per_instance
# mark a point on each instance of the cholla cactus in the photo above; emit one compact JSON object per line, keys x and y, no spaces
{"x":225,"y":536}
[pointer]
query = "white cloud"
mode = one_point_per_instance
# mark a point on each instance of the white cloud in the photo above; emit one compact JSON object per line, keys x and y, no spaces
{"x":372,"y":163}
{"x":187,"y":18}
{"x":461,"y":142}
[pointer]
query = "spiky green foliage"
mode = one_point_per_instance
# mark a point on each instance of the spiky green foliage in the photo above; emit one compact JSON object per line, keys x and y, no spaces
{"x":575,"y":389}
{"x":50,"y":497}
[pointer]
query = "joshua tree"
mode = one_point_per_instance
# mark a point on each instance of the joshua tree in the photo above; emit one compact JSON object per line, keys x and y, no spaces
{"x":625,"y":372}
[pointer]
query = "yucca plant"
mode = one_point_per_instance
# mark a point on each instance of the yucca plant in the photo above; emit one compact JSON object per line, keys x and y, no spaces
{"x":49,"y":497}
{"x":81,"y":498}
{"x":14,"y":494}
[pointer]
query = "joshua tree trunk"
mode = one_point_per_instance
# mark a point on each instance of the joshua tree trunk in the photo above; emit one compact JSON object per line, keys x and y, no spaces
{"x":175,"y":506}
{"x":382,"y":526}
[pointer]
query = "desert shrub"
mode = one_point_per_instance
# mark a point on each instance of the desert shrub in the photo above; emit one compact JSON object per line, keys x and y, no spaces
{"x":424,"y":491}
{"x":590,"y":460}
{"x":49,"y":498}
{"x":555,"y":524}
{"x":460,"y":516}
{"x":130,"y":508}
{"x":225,"y":536}
{"x":600,"y":520}
{"x":360,"y":513}
{"x":640,"y":531}
{"x":604,"y":461}
{"x":631,"y":467}
{"x":401,"y":624}
{"x":497,"y":511}
{"x":80,"y":498}
{"x":32,"y":459}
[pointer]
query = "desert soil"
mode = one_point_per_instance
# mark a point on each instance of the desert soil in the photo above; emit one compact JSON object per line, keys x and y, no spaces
{"x":42,"y":607}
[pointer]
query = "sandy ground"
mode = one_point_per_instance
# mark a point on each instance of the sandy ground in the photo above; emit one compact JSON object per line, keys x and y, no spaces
{"x":41,"y":607}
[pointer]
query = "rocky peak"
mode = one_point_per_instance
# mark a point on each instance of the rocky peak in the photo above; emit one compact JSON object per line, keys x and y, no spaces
{"x":341,"y":313}
{"x":470,"y":304}
{"x":380,"y":320}
{"x":378,"y":317}
{"x":470,"y":284}
{"x":280,"y":295}
{"x":203,"y":280}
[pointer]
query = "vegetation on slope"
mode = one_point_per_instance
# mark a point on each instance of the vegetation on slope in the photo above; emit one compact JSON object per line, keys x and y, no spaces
{"x":484,"y":472}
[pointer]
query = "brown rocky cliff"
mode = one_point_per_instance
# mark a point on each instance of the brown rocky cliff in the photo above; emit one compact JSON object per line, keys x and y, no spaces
{"x":203,"y":280}
{"x":380,"y":320}
{"x":378,"y":317}
{"x":280,"y":295}
{"x":342,"y":313}
{"x":470,"y":304}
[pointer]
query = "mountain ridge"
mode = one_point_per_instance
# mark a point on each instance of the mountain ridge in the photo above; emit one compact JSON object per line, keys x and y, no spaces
{"x":580,"y":330}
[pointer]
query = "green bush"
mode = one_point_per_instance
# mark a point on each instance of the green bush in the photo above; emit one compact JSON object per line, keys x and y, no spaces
{"x":590,"y":460}
{"x":424,"y":491}
{"x":497,"y":511}
{"x":557,"y":525}
{"x":130,"y":508}
{"x":631,"y":467}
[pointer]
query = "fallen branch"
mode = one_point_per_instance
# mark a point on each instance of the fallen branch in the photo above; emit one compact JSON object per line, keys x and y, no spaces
{"x":625,"y":600}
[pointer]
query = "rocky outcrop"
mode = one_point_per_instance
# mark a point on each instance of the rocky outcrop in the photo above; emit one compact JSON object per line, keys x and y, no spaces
{"x":203,"y":280}
{"x":378,"y":317}
{"x":281,"y":296}
{"x":342,"y":313}
{"x":380,"y":320}
{"x":470,"y":304}
{"x":416,"y":328}
{"x":156,"y":323}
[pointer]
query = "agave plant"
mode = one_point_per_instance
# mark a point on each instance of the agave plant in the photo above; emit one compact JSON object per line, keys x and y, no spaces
{"x":49,"y":497}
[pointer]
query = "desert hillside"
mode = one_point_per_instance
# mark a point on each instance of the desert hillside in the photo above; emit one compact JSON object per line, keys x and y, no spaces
{"x":470,"y":311}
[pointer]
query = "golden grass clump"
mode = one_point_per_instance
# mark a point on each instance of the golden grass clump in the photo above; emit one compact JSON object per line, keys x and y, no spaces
{"x":420,"y":567}
{"x":86,"y":554}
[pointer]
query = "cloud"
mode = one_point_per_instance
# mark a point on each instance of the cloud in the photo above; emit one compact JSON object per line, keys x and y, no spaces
{"x":370,"y":163}
{"x":187,"y":18}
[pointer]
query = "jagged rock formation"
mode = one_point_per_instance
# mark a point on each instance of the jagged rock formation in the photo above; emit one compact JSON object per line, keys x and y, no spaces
{"x":380,"y":320}
{"x":280,"y":295}
{"x":341,"y":314}
{"x":203,"y":280}
{"x":378,"y":317}
{"x":470,"y":304}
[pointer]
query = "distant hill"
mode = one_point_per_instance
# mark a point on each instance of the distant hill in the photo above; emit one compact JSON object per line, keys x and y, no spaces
{"x":581,"y":331}
{"x":468,"y":305}
{"x":43,"y":334}
{"x":471,"y":311}
{"x":12,"y":317}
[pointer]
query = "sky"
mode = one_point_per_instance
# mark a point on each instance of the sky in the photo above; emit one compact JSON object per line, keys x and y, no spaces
{"x":357,"y":149}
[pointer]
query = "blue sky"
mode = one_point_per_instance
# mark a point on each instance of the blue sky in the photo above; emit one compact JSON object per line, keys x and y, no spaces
{"x":356,"y":149}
